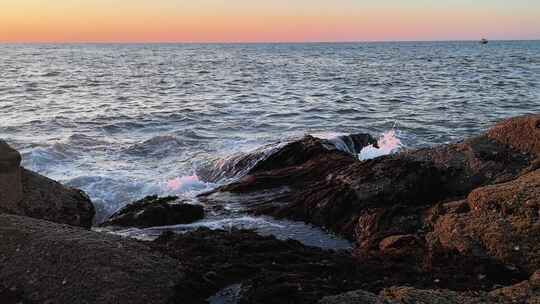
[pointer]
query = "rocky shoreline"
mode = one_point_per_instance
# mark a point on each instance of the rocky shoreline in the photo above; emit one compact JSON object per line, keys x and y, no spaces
{"x":457,"y":223}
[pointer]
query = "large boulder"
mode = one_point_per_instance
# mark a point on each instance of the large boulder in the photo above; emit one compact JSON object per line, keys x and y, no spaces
{"x":521,"y":133}
{"x":502,"y":223}
{"x":283,"y":154}
{"x":10,"y":177}
{"x":45,"y":262}
{"x":27,"y":193}
{"x":335,"y":190}
{"x":153,"y":211}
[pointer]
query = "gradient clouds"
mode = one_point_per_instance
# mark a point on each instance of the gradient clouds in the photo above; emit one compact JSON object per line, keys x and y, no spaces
{"x":261,"y":21}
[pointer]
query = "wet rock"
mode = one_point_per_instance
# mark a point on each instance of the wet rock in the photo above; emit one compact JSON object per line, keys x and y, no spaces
{"x":284,"y":154}
{"x":215,"y":259}
{"x":153,"y":211}
{"x":27,"y":193}
{"x":503,"y":224}
{"x":334,"y":190}
{"x":10,"y":177}
{"x":46,"y":262}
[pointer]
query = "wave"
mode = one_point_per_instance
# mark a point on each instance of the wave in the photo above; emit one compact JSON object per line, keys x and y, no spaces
{"x":158,"y":145}
{"x":387,"y":144}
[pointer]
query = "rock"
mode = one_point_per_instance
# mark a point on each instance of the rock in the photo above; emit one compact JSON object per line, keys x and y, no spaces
{"x":401,"y":246}
{"x":214,"y":259}
{"x":284,"y":154}
{"x":397,"y":295}
{"x":524,"y":292}
{"x":10,"y":177}
{"x":503,"y":224}
{"x":521,"y":133}
{"x":47,"y":262}
{"x":44,"y":198}
{"x":153,"y":211}
{"x":27,"y":193}
{"x":353,"y":297}
{"x":333,"y":190}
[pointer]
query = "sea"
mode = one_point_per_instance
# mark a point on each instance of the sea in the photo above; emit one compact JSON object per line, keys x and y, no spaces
{"x":122,"y":121}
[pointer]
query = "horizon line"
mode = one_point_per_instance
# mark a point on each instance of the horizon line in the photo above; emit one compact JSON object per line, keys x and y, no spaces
{"x":262,"y":42}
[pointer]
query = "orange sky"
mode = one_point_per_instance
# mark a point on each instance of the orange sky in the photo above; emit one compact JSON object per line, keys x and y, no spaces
{"x":266,"y":21}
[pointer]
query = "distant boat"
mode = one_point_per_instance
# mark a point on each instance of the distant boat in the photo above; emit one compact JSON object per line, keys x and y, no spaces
{"x":484,"y":41}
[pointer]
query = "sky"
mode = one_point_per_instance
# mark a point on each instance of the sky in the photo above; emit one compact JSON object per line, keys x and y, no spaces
{"x":266,"y":21}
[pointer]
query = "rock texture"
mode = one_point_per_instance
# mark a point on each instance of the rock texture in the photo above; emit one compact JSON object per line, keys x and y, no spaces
{"x":24,"y":192}
{"x":526,"y":292}
{"x":335,"y":190}
{"x":10,"y":177}
{"x":46,"y":262}
{"x":284,"y":154}
{"x":153,"y":211}
{"x":44,"y":198}
{"x":502,"y":223}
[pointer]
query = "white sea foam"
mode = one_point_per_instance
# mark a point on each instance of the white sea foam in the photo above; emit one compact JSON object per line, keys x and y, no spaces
{"x":388,"y":143}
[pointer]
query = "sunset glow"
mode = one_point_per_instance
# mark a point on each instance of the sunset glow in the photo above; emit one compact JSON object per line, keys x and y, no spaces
{"x":262,"y":21}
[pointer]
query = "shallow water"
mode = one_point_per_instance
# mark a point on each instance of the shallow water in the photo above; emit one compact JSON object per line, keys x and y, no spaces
{"x":125,"y":121}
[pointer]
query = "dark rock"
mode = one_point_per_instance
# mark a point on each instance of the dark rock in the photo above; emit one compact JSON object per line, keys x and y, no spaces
{"x":46,"y":262}
{"x":284,"y":154}
{"x":27,"y":193}
{"x":213,"y":260}
{"x":153,"y":211}
{"x":332,"y":189}
{"x":524,"y":292}
{"x":44,"y":198}
{"x":353,"y":297}
{"x":10,"y":177}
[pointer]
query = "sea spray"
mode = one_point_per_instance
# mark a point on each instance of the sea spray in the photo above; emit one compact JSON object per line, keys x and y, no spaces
{"x":388,"y":143}
{"x":182,"y":184}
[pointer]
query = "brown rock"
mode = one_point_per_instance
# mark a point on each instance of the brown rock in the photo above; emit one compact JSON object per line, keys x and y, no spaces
{"x":10,"y":177}
{"x":353,"y":297}
{"x":404,"y":295}
{"x":334,"y":190}
{"x":503,"y":224}
{"x":46,"y":262}
{"x":521,"y":133}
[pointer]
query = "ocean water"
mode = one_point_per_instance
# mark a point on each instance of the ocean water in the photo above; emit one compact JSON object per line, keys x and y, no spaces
{"x":125,"y":121}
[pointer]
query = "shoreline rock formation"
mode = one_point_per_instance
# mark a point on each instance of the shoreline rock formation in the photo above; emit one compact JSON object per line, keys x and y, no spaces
{"x":152,"y":211}
{"x":10,"y":177}
{"x":457,"y":223}
{"x":27,"y":193}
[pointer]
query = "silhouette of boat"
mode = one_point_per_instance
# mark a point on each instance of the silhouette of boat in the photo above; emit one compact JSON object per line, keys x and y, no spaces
{"x":484,"y":41}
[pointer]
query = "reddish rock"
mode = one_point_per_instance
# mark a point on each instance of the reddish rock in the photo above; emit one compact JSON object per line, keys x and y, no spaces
{"x":521,"y":133}
{"x":502,"y":224}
